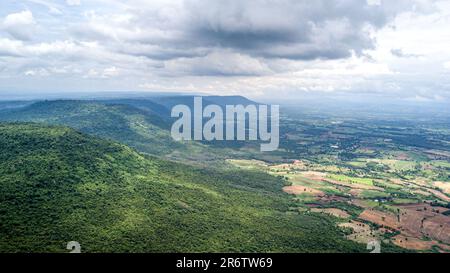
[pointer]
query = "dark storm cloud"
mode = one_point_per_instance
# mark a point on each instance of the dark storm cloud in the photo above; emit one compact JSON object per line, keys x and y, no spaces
{"x":302,"y":30}
{"x":290,"y":29}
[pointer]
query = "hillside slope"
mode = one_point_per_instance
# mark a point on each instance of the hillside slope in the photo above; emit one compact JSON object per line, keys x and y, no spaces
{"x":131,"y":122}
{"x":59,"y":185}
{"x":136,"y":127}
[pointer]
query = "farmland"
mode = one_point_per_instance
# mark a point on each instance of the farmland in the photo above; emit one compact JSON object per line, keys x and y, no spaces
{"x":376,"y":184}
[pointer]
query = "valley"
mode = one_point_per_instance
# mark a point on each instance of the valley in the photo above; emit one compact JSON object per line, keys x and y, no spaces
{"x":335,"y":185}
{"x":378,"y":182}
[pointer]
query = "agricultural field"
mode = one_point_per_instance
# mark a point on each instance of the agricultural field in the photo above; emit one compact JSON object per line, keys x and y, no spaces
{"x":386,"y":183}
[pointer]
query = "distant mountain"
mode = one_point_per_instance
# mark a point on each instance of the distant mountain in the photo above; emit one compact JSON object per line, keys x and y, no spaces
{"x":170,"y":102}
{"x":229,"y":100}
{"x":143,"y":104}
{"x":143,"y":124}
{"x":129,"y":125}
{"x":7,"y":105}
{"x":58,"y":185}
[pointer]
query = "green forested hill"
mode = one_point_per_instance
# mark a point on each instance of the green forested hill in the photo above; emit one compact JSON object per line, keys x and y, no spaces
{"x":141,"y":129}
{"x":134,"y":125}
{"x":59,"y":185}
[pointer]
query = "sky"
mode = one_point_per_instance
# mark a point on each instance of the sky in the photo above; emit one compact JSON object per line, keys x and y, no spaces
{"x":257,"y":48}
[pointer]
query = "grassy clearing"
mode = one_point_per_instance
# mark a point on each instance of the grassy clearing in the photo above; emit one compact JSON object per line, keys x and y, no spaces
{"x":401,"y":201}
{"x":441,"y":164}
{"x":358,"y":164}
{"x":248,"y":164}
{"x":349,"y":179}
{"x":369,"y":194}
{"x":397,"y":165}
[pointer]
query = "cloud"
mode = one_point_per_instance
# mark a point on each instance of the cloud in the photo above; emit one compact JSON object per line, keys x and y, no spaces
{"x":238,"y":38}
{"x":299,"y":30}
{"x":19,"y":25}
{"x":111,"y":72}
{"x":53,"y":8}
{"x":258,"y":47}
{"x":398,"y":52}
{"x":217,"y":63}
{"x":447,"y":65}
{"x":10,"y":47}
{"x":374,"y":2}
{"x":106,"y":73}
{"x":41,"y":72}
{"x":73,"y":2}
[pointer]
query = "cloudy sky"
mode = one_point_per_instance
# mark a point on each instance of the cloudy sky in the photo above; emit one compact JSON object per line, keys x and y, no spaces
{"x":257,"y":48}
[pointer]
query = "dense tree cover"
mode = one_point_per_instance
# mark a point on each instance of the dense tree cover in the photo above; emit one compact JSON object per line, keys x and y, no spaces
{"x":138,"y":124}
{"x":59,"y":185}
{"x":123,"y":123}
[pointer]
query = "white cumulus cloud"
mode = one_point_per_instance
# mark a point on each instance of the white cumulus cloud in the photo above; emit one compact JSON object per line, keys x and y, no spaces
{"x":19,"y":25}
